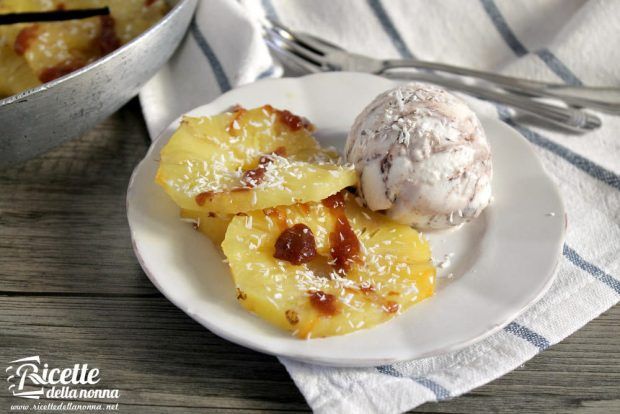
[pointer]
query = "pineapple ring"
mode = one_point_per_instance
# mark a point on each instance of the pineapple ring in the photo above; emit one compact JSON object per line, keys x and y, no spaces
{"x":312,"y":299}
{"x":32,"y":53}
{"x":248,"y":160}
{"x":211,"y":225}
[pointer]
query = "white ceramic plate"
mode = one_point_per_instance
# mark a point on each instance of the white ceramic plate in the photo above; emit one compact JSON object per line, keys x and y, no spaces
{"x":503,"y":261}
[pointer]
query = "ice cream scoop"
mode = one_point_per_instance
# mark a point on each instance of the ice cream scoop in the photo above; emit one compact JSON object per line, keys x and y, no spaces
{"x":421,"y":156}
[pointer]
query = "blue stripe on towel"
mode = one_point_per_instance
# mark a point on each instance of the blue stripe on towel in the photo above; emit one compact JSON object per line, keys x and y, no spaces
{"x":519,"y":49}
{"x":270,"y":10}
{"x":526,"y":333}
{"x":595,"y":271}
{"x":441,"y":393}
{"x":594,"y":170}
{"x":216,"y":66}
{"x":558,"y":67}
{"x":389,"y":370}
{"x":502,"y":27}
{"x":567,"y":76}
{"x":390,"y":29}
{"x":272,"y":14}
{"x":269,"y":72}
{"x":584,"y":164}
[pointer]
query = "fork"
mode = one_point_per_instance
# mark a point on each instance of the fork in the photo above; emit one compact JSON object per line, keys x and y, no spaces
{"x":295,"y":47}
{"x":329,"y":56}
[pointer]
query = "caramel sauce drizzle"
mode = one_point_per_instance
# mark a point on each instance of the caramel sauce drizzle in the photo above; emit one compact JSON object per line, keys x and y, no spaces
{"x":344,"y":245}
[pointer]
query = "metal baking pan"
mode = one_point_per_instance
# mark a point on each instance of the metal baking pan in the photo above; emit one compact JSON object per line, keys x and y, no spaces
{"x":41,"y":118}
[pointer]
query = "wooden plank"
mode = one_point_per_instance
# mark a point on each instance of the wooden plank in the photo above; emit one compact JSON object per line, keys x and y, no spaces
{"x":62,"y":216}
{"x":147,"y":348}
{"x":160,"y":358}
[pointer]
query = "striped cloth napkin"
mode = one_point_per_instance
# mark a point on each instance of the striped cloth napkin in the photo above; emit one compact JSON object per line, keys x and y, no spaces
{"x":556,"y":40}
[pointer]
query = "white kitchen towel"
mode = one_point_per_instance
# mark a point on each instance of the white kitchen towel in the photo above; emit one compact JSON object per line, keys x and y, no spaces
{"x":571,"y":41}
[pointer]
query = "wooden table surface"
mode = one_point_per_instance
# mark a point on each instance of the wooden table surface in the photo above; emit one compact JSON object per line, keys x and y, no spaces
{"x":72,"y":291}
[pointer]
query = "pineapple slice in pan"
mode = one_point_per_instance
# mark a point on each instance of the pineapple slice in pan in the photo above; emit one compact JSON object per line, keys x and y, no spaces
{"x":54,"y":49}
{"x":15,"y":74}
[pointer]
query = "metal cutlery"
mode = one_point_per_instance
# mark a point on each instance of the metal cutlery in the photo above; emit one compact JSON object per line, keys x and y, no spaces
{"x":313,"y":54}
{"x":332,"y":57}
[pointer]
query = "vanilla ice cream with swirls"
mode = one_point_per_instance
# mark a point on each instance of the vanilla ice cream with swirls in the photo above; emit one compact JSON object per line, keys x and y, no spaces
{"x":422,"y":157}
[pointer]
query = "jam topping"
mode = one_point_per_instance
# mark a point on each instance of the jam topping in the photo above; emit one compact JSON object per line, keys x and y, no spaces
{"x":291,"y":316}
{"x":55,"y":72}
{"x":202,"y":197}
{"x":108,"y":41}
{"x":335,"y":203}
{"x":233,"y":127}
{"x":24,"y":39}
{"x":286,"y":118}
{"x":252,"y":178}
{"x":289,"y":119}
{"x":296,"y":245}
{"x":391,"y":307}
{"x":325,"y":303}
{"x":344,"y":245}
{"x":292,"y":121}
{"x":280,"y":151}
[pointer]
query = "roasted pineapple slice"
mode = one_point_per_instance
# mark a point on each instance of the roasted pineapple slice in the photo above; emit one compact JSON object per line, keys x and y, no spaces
{"x":15,"y":74}
{"x":211,"y":225}
{"x":55,"y":49}
{"x":321,"y":297}
{"x":45,"y":51}
{"x":247,"y":160}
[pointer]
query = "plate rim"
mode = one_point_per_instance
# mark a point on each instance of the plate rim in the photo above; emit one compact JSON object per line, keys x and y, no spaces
{"x":352,"y":361}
